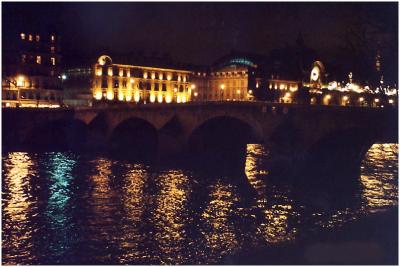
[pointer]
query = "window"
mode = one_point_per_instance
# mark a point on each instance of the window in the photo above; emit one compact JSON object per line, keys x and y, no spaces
{"x":38,"y":59}
{"x":52,"y":49}
{"x":148,"y":86}
{"x":181,"y":88}
{"x":164,"y":87}
{"x":116,"y":84}
{"x":23,"y":58}
{"x":156,"y":87}
{"x":30,"y":37}
{"x":53,"y":61}
{"x":22,"y":36}
{"x":53,"y":38}
{"x":37,"y":38}
{"x":124,"y":84}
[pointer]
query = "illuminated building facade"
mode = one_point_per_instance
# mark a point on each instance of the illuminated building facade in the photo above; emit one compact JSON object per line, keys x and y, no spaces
{"x":140,"y":84}
{"x":235,"y":77}
{"x":31,"y":72}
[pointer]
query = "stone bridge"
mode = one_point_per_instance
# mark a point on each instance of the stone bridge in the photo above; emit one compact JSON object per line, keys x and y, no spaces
{"x":217,"y":131}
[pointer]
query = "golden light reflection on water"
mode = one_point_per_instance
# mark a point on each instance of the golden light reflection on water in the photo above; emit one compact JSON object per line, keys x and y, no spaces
{"x":170,"y":217}
{"x":275,"y":227}
{"x":378,"y":180}
{"x":133,"y":202}
{"x":219,"y":231}
{"x":129,"y":213}
{"x":102,"y":220}
{"x":18,"y":208}
{"x":379,"y":173}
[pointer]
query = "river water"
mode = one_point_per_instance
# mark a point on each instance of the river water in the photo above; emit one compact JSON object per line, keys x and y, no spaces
{"x":66,"y":208}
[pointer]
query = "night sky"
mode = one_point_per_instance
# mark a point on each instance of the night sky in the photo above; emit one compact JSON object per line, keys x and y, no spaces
{"x":199,"y":33}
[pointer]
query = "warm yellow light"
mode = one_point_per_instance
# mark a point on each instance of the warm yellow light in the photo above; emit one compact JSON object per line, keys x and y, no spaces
{"x":179,"y":78}
{"x":136,"y":96}
{"x":376,"y":100}
{"x":257,"y":85}
{"x":128,"y":73}
{"x":23,"y":36}
{"x":160,"y":76}
{"x":250,"y":91}
{"x":184,"y":79}
{"x":20,"y":81}
{"x":175,"y":89}
{"x":110,"y":95}
{"x":168,"y":98}
{"x":128,"y":97}
{"x":145,"y":75}
{"x":97,"y":95}
{"x":110,"y":72}
{"x":345,"y":98}
{"x":99,"y":72}
{"x":153,"y":76}
{"x":195,"y":94}
{"x":282,"y":86}
{"x":121,"y":73}
{"x":193,"y":86}
{"x":287,"y":95}
{"x":222,"y":86}
{"x":132,"y":80}
{"x":183,"y":98}
{"x":293,"y":88}
{"x":361,"y":99}
{"x":238,"y":91}
{"x":178,"y":99}
{"x":39,"y":60}
{"x":169,"y":77}
{"x":152,"y":98}
{"x":391,"y":101}
{"x":159,"y":98}
{"x":7,"y":104}
{"x":328,"y":96}
{"x":121,"y":96}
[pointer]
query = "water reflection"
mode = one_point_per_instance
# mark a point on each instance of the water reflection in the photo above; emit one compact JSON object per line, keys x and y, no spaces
{"x":219,"y":229}
{"x":19,"y":209}
{"x":70,"y":209}
{"x":134,"y":179}
{"x":274,"y":201}
{"x":379,"y":174}
{"x":170,"y":217}
{"x":58,"y":210}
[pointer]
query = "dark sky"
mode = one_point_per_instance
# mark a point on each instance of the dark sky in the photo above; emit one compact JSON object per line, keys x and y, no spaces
{"x":199,"y":33}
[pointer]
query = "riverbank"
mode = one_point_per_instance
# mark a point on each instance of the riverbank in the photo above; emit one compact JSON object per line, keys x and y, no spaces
{"x":372,"y":239}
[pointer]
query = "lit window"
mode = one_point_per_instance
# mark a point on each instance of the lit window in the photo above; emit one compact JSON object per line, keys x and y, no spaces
{"x":30,"y":37}
{"x":53,"y":38}
{"x":53,"y":61}
{"x":37,"y":38}
{"x":38,"y":59}
{"x":23,"y":58}
{"x":22,"y":36}
{"x":53,"y":49}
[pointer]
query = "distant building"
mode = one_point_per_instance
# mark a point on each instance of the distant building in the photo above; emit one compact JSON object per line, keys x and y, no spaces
{"x":140,"y":84}
{"x":77,"y":84}
{"x":31,"y":73}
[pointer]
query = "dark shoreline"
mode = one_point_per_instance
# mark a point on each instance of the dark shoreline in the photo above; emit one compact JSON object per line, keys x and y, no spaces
{"x":369,"y":240}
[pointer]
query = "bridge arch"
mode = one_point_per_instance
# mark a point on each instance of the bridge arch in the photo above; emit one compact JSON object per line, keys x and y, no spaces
{"x":134,"y":138}
{"x":59,"y":134}
{"x":220,"y":142}
{"x":340,"y":153}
